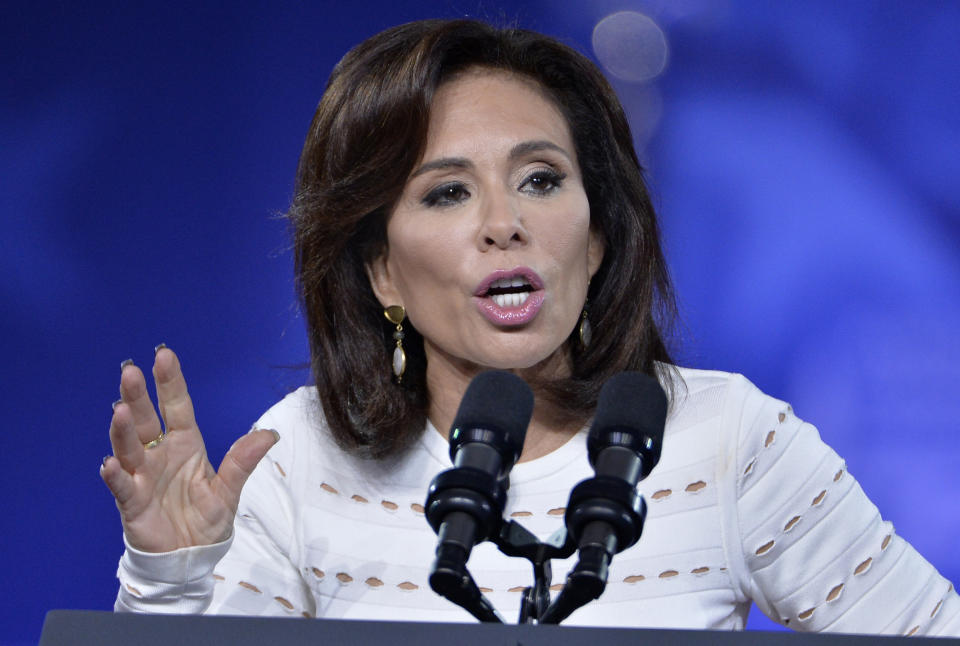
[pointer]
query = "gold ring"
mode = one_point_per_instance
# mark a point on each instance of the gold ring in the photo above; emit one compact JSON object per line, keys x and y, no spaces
{"x":154,"y":442}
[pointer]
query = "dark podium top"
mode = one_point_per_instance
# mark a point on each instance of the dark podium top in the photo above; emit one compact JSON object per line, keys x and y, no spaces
{"x":78,"y":627}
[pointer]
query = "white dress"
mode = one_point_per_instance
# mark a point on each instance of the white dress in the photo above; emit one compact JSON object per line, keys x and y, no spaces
{"x":747,"y":503}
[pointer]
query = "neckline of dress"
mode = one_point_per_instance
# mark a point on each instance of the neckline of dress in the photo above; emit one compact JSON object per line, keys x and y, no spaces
{"x":571,"y":450}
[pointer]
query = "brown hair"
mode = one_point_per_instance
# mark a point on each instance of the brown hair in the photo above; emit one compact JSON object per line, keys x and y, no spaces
{"x":366,"y":136}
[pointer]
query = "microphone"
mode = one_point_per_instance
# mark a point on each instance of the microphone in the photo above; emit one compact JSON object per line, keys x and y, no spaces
{"x":605,"y":514}
{"x":465,"y":504}
{"x":626,"y":436}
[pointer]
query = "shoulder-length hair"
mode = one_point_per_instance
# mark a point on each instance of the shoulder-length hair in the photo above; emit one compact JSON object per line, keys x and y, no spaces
{"x":367,"y":134}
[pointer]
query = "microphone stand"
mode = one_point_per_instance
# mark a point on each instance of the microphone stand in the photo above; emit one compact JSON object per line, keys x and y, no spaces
{"x":515,"y":540}
{"x":586,"y":581}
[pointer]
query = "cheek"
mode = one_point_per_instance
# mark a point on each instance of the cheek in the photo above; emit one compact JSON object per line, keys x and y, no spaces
{"x":423,"y":267}
{"x":570,"y":244}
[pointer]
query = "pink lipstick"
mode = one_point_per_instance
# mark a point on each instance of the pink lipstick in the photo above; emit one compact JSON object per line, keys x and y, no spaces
{"x":510,"y":297}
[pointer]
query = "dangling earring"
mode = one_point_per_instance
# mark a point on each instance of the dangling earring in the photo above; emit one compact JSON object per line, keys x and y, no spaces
{"x":586,"y":333}
{"x":395,"y":314}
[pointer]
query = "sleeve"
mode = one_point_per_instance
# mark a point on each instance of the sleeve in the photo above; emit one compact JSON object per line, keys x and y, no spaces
{"x":812,"y":551}
{"x":252,"y":573}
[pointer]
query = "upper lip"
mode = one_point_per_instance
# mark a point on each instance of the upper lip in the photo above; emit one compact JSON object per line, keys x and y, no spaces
{"x":525,"y":273}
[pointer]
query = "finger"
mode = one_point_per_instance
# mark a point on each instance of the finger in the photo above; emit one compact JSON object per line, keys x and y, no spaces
{"x":119,"y":482}
{"x":172,"y":396}
{"x":127,"y":447}
{"x":133,"y":391}
{"x":240,"y":461}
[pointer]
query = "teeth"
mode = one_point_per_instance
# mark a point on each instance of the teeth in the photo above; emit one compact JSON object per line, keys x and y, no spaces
{"x":506,"y":283}
{"x":510,"y":300}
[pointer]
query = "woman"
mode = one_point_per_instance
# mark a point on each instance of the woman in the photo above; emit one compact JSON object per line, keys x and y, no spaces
{"x":469,"y":198}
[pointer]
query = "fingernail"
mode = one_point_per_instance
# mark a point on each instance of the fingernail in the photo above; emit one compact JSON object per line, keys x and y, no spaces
{"x":158,"y":348}
{"x":125,"y":363}
{"x":104,"y":462}
{"x":276,"y":436}
{"x":114,"y":405}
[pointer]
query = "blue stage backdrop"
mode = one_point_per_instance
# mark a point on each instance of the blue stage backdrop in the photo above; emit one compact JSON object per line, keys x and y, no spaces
{"x":803,"y":157}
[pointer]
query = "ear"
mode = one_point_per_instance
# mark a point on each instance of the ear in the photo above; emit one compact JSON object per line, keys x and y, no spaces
{"x":596,"y":246}
{"x":378,"y":272}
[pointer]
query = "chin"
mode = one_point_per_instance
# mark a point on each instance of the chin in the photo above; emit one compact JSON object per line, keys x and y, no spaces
{"x":523,"y":357}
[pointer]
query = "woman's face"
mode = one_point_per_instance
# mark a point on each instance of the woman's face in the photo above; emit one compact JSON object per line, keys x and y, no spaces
{"x":490,"y":248}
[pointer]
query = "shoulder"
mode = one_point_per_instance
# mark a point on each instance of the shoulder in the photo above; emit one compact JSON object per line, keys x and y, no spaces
{"x":308,"y":452}
{"x":298,"y":409}
{"x":696,"y":395}
{"x":299,"y":420}
{"x":304,"y":439}
{"x":758,"y":437}
{"x":724,"y":414}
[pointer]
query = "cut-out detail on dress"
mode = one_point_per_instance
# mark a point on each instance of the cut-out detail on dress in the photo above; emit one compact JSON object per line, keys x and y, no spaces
{"x":343,"y":577}
{"x":913,"y":631}
{"x":766,"y":547}
{"x":132,"y":590}
{"x":283,"y":602}
{"x":819,"y":499}
{"x":358,"y":498}
{"x":791,"y":523}
{"x":886,"y":542}
{"x":521,"y":514}
{"x":781,"y":417}
{"x":806,"y":614}
{"x":280,"y":469}
{"x":694,"y":487}
{"x":408,"y":585}
{"x":556,"y":587}
{"x":864,"y":566}
{"x":249,"y":586}
{"x":936,"y":609}
{"x":557,"y":511}
{"x":700,"y":570}
{"x":317,"y":572}
{"x":771,"y":436}
{"x":374,"y":582}
{"x":417,"y":508}
{"x":838,"y":475}
{"x":306,"y":615}
{"x":749,"y":468}
{"x":661,"y":494}
{"x":835,"y":592}
{"x":328,"y":488}
{"x":217,"y":577}
{"x":634,"y":578}
{"x":486,"y":590}
{"x":389,"y":504}
{"x":516,"y":588}
{"x":668,"y":574}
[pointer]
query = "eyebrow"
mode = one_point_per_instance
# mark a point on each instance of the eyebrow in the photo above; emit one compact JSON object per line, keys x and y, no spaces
{"x":520,"y":150}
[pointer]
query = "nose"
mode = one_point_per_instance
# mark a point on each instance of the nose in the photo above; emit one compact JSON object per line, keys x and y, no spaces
{"x":501,"y":225}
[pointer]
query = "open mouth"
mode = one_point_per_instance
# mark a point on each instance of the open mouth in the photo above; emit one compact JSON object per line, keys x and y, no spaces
{"x":510,"y":297}
{"x":509,"y":292}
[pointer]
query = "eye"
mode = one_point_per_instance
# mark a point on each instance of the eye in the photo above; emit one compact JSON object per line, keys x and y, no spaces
{"x":542,"y":181}
{"x":446,"y":195}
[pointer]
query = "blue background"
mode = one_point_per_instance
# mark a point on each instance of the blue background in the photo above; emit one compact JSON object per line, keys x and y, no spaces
{"x":803,"y":157}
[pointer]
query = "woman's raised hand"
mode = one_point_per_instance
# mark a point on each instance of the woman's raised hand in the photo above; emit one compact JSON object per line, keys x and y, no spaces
{"x":167,"y":491}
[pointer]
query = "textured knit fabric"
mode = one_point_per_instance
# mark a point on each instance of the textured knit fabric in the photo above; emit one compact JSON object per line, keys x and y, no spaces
{"x":747,"y":503}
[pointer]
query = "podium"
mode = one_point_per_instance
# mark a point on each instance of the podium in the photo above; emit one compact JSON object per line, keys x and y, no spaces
{"x":86,"y":628}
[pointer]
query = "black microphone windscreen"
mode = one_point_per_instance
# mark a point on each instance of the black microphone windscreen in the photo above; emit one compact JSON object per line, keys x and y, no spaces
{"x":495,"y":401}
{"x":630,"y":401}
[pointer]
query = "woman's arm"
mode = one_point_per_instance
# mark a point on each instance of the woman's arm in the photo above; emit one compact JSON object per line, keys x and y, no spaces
{"x":814,"y":553}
